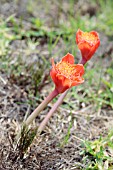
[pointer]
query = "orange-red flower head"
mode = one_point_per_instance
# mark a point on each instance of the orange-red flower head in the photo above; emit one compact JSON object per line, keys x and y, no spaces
{"x":87,"y":43}
{"x":66,"y":74}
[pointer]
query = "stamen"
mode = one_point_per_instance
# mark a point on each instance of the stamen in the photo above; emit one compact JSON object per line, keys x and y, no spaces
{"x":66,"y":69}
{"x":90,"y":38}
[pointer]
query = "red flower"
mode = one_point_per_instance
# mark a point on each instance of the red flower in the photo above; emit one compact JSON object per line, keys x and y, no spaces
{"x":87,"y":43}
{"x":66,"y":74}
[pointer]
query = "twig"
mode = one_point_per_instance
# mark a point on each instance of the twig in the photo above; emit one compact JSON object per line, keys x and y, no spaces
{"x":3,"y":80}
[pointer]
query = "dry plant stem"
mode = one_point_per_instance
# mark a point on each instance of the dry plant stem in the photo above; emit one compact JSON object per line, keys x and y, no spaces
{"x":51,"y":112}
{"x":35,"y":113}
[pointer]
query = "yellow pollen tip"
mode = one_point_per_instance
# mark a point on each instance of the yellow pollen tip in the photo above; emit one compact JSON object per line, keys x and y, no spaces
{"x":88,"y":37}
{"x":66,"y":69}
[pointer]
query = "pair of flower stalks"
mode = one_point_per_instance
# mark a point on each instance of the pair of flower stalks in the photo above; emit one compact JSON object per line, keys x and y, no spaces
{"x":66,"y":74}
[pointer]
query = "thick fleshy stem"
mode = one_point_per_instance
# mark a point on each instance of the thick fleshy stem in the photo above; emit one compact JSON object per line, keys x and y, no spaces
{"x":50,"y":113}
{"x":83,"y":61}
{"x":35,"y":113}
{"x":54,"y":108}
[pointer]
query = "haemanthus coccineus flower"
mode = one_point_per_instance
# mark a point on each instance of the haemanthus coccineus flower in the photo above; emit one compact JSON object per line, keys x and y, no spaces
{"x":87,"y":43}
{"x":66,"y":74}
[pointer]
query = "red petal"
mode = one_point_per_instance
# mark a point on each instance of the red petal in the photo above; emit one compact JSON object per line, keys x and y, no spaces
{"x":53,"y":72}
{"x":93,"y":49}
{"x":68,"y":58}
{"x":95,"y":34}
{"x":78,"y":81}
{"x":85,"y":49}
{"x":63,"y":83}
{"x":79,"y":69}
{"x":78,"y":34}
